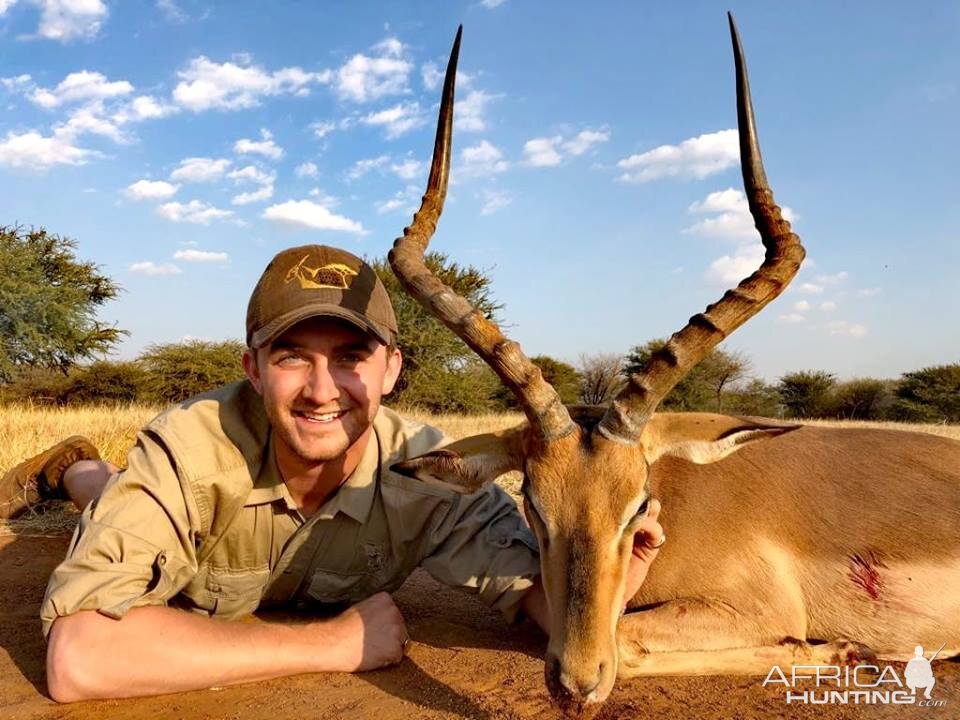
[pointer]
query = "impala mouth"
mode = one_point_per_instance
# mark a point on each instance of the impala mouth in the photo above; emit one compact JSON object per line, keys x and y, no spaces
{"x":320,"y":418}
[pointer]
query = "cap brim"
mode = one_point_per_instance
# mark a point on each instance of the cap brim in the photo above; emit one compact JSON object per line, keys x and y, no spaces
{"x":280,"y":325}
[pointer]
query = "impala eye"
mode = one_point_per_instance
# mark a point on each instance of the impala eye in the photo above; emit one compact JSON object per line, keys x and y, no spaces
{"x":642,"y":510}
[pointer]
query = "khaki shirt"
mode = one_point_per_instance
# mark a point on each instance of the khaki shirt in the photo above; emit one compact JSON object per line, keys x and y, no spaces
{"x":202,"y":520}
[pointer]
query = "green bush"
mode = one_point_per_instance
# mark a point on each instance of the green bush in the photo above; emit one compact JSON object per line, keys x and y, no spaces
{"x":929,"y":395}
{"x":177,"y":371}
{"x":106,"y":382}
{"x":807,"y":393}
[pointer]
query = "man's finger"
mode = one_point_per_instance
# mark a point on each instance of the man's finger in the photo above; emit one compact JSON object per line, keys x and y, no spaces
{"x":653,"y":509}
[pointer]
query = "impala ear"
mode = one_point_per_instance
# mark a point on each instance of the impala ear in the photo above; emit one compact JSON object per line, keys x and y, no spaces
{"x":468,"y":464}
{"x":705,"y":438}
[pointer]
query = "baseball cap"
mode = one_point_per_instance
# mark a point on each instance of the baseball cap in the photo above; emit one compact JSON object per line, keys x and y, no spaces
{"x":311,"y":280}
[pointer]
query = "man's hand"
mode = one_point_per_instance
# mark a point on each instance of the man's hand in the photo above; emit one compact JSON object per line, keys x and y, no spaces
{"x":372,"y":634}
{"x":646,"y":546}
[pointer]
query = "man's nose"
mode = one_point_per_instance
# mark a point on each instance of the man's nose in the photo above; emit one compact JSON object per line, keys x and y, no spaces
{"x":321,"y":386}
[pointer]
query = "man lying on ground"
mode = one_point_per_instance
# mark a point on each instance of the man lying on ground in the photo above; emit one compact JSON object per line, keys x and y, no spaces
{"x":272,"y":492}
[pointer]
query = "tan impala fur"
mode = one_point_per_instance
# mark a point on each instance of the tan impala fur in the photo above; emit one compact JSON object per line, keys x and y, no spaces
{"x":780,"y":535}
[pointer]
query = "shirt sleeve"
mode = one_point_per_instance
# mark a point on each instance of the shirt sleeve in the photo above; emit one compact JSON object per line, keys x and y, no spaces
{"x":133,"y":546}
{"x":482,"y":544}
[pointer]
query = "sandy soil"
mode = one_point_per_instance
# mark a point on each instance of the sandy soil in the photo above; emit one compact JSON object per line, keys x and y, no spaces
{"x":463,"y":663}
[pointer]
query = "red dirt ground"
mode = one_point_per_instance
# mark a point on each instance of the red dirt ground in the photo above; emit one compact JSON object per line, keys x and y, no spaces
{"x":463,"y":663}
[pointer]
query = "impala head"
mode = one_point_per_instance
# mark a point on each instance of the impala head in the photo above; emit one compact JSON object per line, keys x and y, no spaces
{"x":586,"y":469}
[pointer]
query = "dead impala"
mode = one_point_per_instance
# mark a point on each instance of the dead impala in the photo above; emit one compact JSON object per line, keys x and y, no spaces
{"x":814,"y":547}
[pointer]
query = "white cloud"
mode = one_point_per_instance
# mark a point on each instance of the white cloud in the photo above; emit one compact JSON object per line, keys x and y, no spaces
{"x":693,"y":158}
{"x":151,"y":190}
{"x":494,"y":200}
{"x":66,"y":20}
{"x":304,"y":213}
{"x":264,"y":193}
{"x":307,"y":169}
{"x":431,"y":75}
{"x":801,"y":306}
{"x":144,"y":107}
{"x":362,"y":167}
{"x":200,"y":256}
{"x":322,"y":129}
{"x":323,"y":198}
{"x":363,"y":78}
{"x":195,"y":211}
{"x":33,"y":151}
{"x":842,"y":327}
{"x":206,"y":84}
{"x":171,"y":11}
{"x":405,"y":200}
{"x":252,"y":173}
{"x":551,"y":151}
{"x":200,"y":169}
{"x":397,"y":120}
{"x":391,"y":47}
{"x":868,"y":292}
{"x":481,"y":159}
{"x":469,"y":114}
{"x":408,"y":169}
{"x":80,"y":87}
{"x":265,"y":146}
{"x":834,"y":279}
{"x":792,"y":318}
{"x":728,"y":270}
{"x":18,"y":83}
{"x":89,"y":119}
{"x":828,"y":306}
{"x":810,"y":288}
{"x":492,"y":3}
{"x":151,"y":268}
{"x":584,"y":140}
{"x":542,"y":152}
{"x":734,"y":221}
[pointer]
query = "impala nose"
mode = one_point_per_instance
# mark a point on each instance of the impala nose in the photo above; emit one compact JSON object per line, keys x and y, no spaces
{"x":573,"y":687}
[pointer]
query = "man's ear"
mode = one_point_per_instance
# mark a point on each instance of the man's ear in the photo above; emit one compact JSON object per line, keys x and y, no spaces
{"x":394,"y":363}
{"x":252,"y":369}
{"x":467,"y":465}
{"x":704,"y":438}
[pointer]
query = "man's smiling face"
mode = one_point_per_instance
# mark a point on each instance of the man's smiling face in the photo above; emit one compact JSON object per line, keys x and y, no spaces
{"x":322,"y":381}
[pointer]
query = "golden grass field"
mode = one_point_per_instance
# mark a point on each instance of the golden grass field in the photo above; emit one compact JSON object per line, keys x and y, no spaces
{"x":27,"y":429}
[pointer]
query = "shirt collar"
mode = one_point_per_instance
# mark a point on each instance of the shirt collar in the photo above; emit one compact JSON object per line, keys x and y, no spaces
{"x":269,"y":486}
{"x":353,"y":498}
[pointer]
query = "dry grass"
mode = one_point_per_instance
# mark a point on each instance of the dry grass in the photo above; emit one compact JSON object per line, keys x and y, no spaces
{"x":27,"y":429}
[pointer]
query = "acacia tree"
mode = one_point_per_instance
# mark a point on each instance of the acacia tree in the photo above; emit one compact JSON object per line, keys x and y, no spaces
{"x":702,"y":388}
{"x":601,"y":378}
{"x":48,"y":303}
{"x":807,"y":393}
{"x":440,"y":373}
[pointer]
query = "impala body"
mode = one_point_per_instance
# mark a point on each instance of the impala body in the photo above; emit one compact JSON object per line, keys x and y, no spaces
{"x":779,"y":534}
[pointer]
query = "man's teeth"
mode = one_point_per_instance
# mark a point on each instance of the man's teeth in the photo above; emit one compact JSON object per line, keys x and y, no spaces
{"x":322,"y":417}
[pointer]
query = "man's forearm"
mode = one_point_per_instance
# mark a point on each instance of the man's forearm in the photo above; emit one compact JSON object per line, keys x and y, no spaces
{"x":155,"y":650}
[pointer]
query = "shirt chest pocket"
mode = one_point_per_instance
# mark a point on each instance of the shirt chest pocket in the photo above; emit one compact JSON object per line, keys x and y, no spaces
{"x":370,"y":571}
{"x":228,"y":593}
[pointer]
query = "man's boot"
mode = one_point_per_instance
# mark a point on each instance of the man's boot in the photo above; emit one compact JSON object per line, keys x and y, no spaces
{"x":41,"y":477}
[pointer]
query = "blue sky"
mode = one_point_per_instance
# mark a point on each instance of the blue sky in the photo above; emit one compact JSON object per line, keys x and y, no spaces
{"x":182,"y":143}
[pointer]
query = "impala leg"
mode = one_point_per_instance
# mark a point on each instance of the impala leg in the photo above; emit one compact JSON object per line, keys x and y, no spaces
{"x":695,"y":637}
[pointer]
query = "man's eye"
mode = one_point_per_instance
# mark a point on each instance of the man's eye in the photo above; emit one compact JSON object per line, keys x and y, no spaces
{"x":289,"y":359}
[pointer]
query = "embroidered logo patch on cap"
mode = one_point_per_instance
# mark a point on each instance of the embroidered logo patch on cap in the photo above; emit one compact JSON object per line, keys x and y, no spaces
{"x":336,"y":276}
